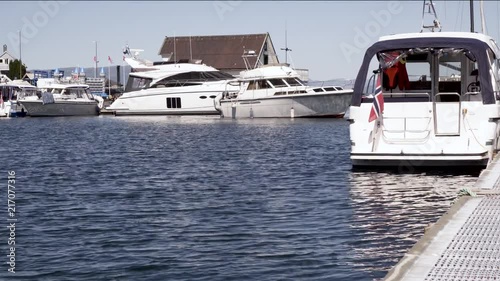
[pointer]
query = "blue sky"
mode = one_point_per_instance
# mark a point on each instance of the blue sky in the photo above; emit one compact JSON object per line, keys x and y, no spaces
{"x":328,"y":38}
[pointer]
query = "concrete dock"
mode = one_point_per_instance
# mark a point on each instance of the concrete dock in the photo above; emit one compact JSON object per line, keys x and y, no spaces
{"x":464,"y":244}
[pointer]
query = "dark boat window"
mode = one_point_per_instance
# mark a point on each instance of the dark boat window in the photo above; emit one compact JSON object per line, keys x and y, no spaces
{"x":258,"y":84}
{"x":174,"y":103}
{"x":137,"y":83}
{"x":212,"y":97}
{"x":278,"y":83}
{"x":293,"y":82}
{"x":203,"y":97}
{"x":192,"y":78}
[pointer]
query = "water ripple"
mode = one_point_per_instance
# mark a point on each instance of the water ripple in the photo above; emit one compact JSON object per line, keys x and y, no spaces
{"x":200,"y":198}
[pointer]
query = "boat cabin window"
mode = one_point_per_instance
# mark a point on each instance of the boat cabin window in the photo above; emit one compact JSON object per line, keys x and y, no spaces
{"x":278,"y":83}
{"x":418,"y":75}
{"x":259,"y":84}
{"x":5,"y":93}
{"x":10,"y":93}
{"x":293,"y":82}
{"x":135,"y":83}
{"x":28,"y":92}
{"x":192,"y":78}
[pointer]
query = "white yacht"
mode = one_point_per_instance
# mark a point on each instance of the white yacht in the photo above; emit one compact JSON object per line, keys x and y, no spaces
{"x":277,"y":91}
{"x":169,"y":87}
{"x":440,"y":106}
{"x":173,"y":88}
{"x":62,"y":98}
{"x":11,"y":93}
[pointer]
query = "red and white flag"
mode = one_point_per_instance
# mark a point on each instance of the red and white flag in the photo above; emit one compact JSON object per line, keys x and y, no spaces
{"x":110,"y":60}
{"x":95,"y":59}
{"x":378,"y":102}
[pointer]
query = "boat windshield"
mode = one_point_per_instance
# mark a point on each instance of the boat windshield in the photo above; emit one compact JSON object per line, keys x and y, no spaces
{"x":26,"y":92}
{"x":278,"y":83}
{"x":79,"y":93}
{"x":294,"y":82}
{"x":135,"y":83}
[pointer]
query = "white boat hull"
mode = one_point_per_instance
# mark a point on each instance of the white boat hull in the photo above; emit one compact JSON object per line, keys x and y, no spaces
{"x":192,"y":103}
{"x":61,"y":108}
{"x":288,"y":106}
{"x":409,"y":135}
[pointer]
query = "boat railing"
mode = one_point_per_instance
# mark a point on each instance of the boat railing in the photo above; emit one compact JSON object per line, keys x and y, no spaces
{"x":408,"y":133}
{"x":473,"y":96}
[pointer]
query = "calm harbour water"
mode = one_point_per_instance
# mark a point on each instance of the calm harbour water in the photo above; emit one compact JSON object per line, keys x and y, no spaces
{"x":203,"y":198}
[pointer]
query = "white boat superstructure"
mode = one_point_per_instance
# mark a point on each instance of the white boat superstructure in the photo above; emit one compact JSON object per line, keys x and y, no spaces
{"x":277,"y":91}
{"x":11,"y":93}
{"x":441,"y":102}
{"x":172,"y":88}
{"x":62,"y":99}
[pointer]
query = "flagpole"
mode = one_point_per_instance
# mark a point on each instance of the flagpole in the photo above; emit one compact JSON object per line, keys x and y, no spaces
{"x":109,"y":79}
{"x":20,"y":58}
{"x":95,"y":60}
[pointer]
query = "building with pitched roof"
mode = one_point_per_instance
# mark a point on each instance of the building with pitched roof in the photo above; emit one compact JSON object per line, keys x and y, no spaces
{"x":5,"y":59}
{"x":223,"y":52}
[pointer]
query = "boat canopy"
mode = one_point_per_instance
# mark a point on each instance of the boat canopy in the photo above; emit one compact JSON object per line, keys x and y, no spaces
{"x":475,"y":49}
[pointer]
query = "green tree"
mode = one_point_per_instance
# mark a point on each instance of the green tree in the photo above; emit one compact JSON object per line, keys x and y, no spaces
{"x":14,"y":69}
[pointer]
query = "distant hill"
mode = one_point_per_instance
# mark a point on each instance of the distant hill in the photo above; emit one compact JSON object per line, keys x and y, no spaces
{"x":345,"y":83}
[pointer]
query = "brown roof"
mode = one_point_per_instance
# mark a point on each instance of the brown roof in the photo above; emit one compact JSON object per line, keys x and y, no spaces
{"x":221,"y":52}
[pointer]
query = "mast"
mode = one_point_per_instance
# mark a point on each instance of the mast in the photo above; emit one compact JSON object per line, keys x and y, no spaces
{"x":190,"y":48}
{"x":95,"y":60}
{"x":471,"y":16}
{"x":483,"y":21}
{"x":286,"y":49}
{"x":431,"y":11}
{"x":20,"y":58}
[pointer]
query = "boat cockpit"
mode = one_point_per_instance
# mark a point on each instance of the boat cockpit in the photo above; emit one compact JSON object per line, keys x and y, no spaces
{"x":439,"y":72}
{"x":426,"y":74}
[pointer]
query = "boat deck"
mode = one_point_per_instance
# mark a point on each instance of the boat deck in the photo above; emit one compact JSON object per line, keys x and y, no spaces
{"x":464,"y":244}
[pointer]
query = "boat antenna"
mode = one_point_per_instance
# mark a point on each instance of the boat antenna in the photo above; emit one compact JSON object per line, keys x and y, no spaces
{"x":483,"y":21}
{"x":190,"y":48}
{"x":175,"y":55}
{"x":430,"y":10}
{"x":286,"y":49}
{"x":471,"y":15}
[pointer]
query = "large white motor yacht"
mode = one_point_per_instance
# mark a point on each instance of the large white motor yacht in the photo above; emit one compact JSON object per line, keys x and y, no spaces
{"x":277,"y":91}
{"x":437,"y":103}
{"x":170,"y":88}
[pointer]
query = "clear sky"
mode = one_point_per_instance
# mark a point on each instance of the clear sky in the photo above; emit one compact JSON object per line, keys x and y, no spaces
{"x":327,"y":37}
